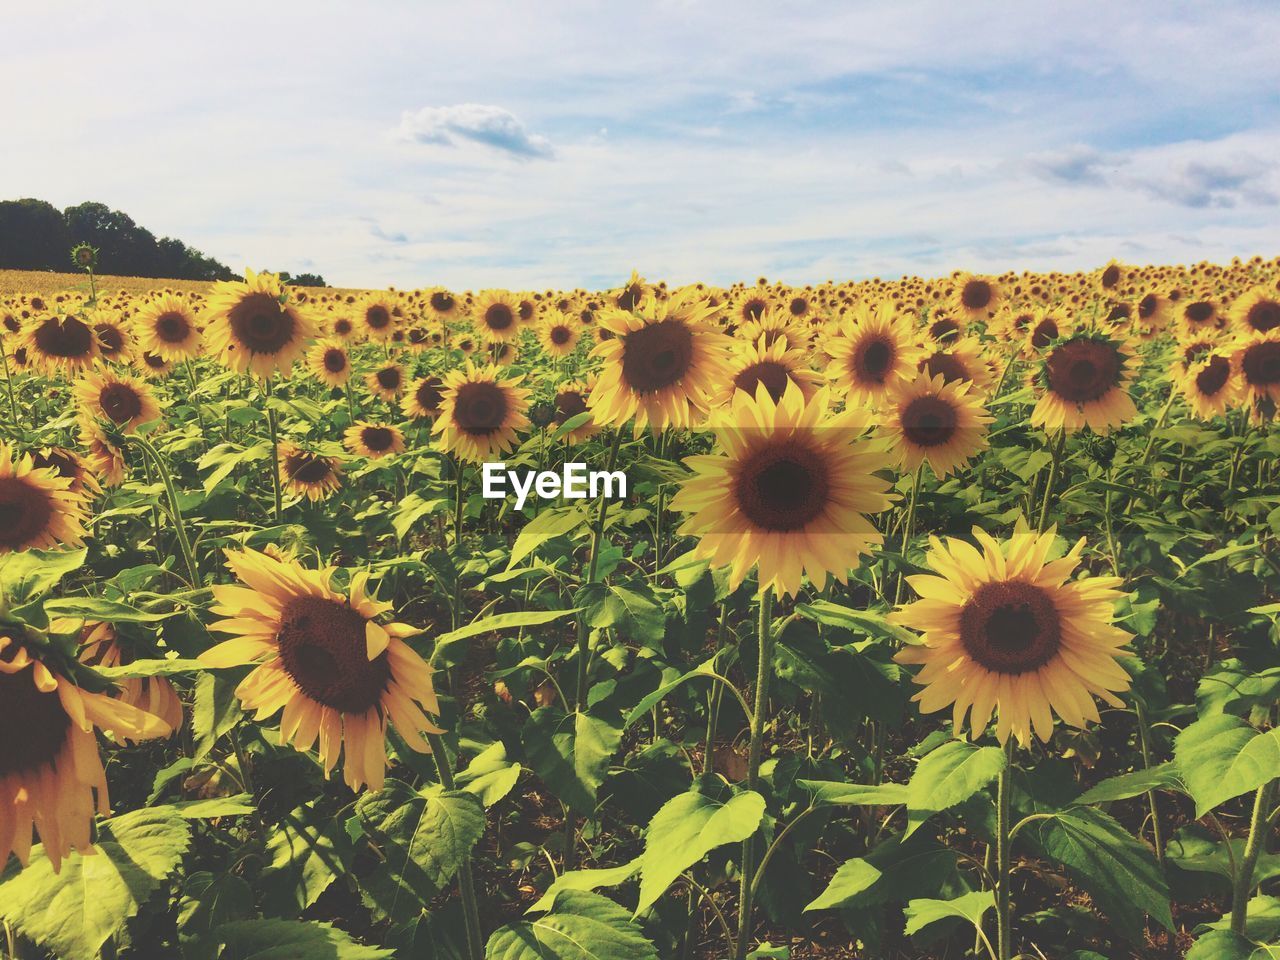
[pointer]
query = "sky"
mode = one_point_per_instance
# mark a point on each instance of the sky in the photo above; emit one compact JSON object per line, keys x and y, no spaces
{"x":564,"y":144}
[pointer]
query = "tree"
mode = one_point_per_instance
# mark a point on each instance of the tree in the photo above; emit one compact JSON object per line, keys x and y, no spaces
{"x":33,"y":236}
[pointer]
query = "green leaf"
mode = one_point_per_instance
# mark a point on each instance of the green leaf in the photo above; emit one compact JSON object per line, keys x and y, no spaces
{"x":211,"y":900}
{"x":307,"y":850}
{"x":1262,"y":919}
{"x":650,"y":701}
{"x":240,"y":805}
{"x":631,"y":610}
{"x":290,"y":940}
{"x":545,"y":526}
{"x":1225,"y":945}
{"x":1134,"y":784}
{"x":863,"y":622}
{"x":98,"y":608}
{"x":28,"y":574}
{"x":490,"y":776}
{"x":500,"y":621}
{"x":1233,"y":687}
{"x":583,"y":926}
{"x":948,"y":776}
{"x":73,"y":913}
{"x":591,"y":879}
{"x":1120,"y":872}
{"x":852,"y":878}
{"x":895,"y":870}
{"x":688,"y":827}
{"x":151,"y":668}
{"x":215,"y":711}
{"x":1194,"y":849}
{"x":1222,"y":757}
{"x":971,"y":907}
{"x":857,"y":794}
{"x":571,"y":752}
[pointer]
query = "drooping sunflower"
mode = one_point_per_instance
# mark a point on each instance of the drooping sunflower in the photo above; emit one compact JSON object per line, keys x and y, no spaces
{"x":977,"y":298}
{"x":1007,"y":630}
{"x":789,"y":494}
{"x":50,"y":769}
{"x":101,"y":646}
{"x":59,"y":344}
{"x":1083,"y":381}
{"x":373,"y":440}
{"x":254,"y":326}
{"x":481,"y":413}
{"x":305,"y":473}
{"x":386,"y":382}
{"x":105,"y":458}
{"x":496,"y":316}
{"x":1255,"y":362}
{"x":124,"y":400}
{"x":1208,"y":385}
{"x":662,"y":366}
{"x":325,"y":662}
{"x":1256,"y":311}
{"x":37,"y":506}
{"x":930,"y":420}
{"x":167,"y":328}
{"x":377,"y":317}
{"x":329,"y":363}
{"x":558,"y":333}
{"x":774,"y":365}
{"x":424,"y":398}
{"x":871,"y":352}
{"x":571,"y":401}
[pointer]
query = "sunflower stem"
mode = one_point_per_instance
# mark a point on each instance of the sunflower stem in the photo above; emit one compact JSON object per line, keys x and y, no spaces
{"x":175,"y":510}
{"x":1258,"y":829}
{"x":275,"y":451}
{"x":1004,"y":931}
{"x":1157,"y":832}
{"x":466,"y":881}
{"x":1051,"y":481}
{"x":764,"y":667}
{"x":908,"y":530}
{"x":8,"y":383}
{"x":191,"y":375}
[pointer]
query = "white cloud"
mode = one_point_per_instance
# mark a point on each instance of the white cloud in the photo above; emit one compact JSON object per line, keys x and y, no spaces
{"x":477,"y":122}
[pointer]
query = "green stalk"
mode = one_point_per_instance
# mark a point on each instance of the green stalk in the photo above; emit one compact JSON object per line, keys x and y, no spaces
{"x":8,"y":382}
{"x":1004,"y":915}
{"x":1157,"y":832}
{"x":1054,"y":465}
{"x":175,"y":511}
{"x":764,"y":667}
{"x":1253,"y":848}
{"x":275,"y":453}
{"x":466,"y":881}
{"x":908,"y":529}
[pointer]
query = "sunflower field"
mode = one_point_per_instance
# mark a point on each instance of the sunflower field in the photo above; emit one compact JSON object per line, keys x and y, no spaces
{"x":923,"y":618}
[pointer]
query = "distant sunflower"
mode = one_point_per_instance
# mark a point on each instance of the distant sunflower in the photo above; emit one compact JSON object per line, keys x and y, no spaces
{"x":481,"y":414}
{"x":386,"y":382}
{"x":119,"y":398}
{"x":373,"y":440}
{"x":305,"y":473}
{"x":632,"y":293}
{"x":442,"y":303}
{"x":418,"y":339}
{"x":977,"y":298}
{"x":341,"y":328}
{"x":329,"y":363}
{"x":1208,"y":385}
{"x":60,"y":344}
{"x":71,"y":466}
{"x":323,"y":658}
{"x":377,"y":319}
{"x":943,"y":328}
{"x":1196,"y":316}
{"x":1112,"y":276}
{"x":105,"y":459}
{"x":167,"y":328}
{"x":662,"y":365}
{"x":772,"y":325}
{"x":959,"y":361}
{"x":871,"y":353}
{"x":253,"y":326}
{"x":1049,"y":325}
{"x":558,"y":334}
{"x":1005,"y":630}
{"x":37,"y":506}
{"x":928,"y":420}
{"x":496,"y":316}
{"x":424,"y":397}
{"x":773,"y":365}
{"x":1152,"y":314}
{"x":100,"y":646}
{"x":152,"y":365}
{"x":1256,"y":311}
{"x":1255,"y":361}
{"x":571,"y":401}
{"x":467,"y":345}
{"x":50,"y":768}
{"x":114,"y":342}
{"x":1083,"y":381}
{"x":751,"y":304}
{"x":788,"y":495}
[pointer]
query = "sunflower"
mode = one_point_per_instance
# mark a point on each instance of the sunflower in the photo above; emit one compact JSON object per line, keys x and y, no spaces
{"x":571,"y":401}
{"x":71,"y":466}
{"x":467,"y":345}
{"x":105,"y":459}
{"x":341,"y":328}
{"x":661,"y":366}
{"x":386,"y":382}
{"x":1208,"y":385}
{"x":418,"y":338}
{"x":152,"y":365}
{"x":1049,"y":325}
{"x":773,"y":324}
{"x":1151,"y":315}
{"x":114,"y":342}
{"x":373,"y":440}
{"x":942,"y":328}
{"x":305,"y":473}
{"x":329,"y":363}
{"x":167,"y":328}
{"x":774,"y":365}
{"x":928,"y":420}
{"x":789,"y":494}
{"x":377,"y":318}
{"x":1084,"y":382}
{"x":37,"y":506}
{"x":121,"y":399}
{"x":558,"y":334}
{"x":1197,"y":316}
{"x":496,"y":316}
{"x":1112,"y":276}
{"x":1005,"y":629}
{"x":50,"y":769}
{"x":503,"y":354}
{"x":442,"y":303}
{"x":632,"y":293}
{"x":253,"y":326}
{"x":959,"y":361}
{"x":424,"y":399}
{"x":100,"y":646}
{"x":60,"y":344}
{"x":1256,"y":311}
{"x":751,"y":304}
{"x":481,"y":413}
{"x":977,"y":298}
{"x":1255,"y":362}
{"x":325,"y":660}
{"x":871,"y":353}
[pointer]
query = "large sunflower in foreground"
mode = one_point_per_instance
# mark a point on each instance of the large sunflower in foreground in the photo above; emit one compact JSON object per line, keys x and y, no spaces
{"x":37,"y":507}
{"x":253,"y":326}
{"x":324,"y":662}
{"x":50,"y":768}
{"x":167,"y":328}
{"x":871,"y":353}
{"x":481,"y":413}
{"x":121,"y":399}
{"x":1083,"y":381}
{"x":928,"y":420}
{"x":662,"y":366}
{"x":1006,"y":630}
{"x":789,"y":494}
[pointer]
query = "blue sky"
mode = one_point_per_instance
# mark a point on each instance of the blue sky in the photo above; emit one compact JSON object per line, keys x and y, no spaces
{"x":559,"y":144}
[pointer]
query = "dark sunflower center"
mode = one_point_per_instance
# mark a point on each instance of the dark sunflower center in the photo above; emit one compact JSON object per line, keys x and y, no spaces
{"x":944,"y":329}
{"x":1263,"y":316}
{"x":172,"y":327}
{"x":377,"y":317}
{"x":1110,"y":277}
{"x":389,"y":378}
{"x":1199,"y":312}
{"x":110,"y":339}
{"x":946,"y":365}
{"x":120,"y":402}
{"x":442,"y":301}
{"x":772,"y":374}
{"x":754,"y":309}
{"x":976,"y":295}
{"x":155,"y":361}
{"x":1010,"y":627}
{"x":929,"y":421}
{"x":417,"y":336}
{"x":499,"y":317}
{"x":342,"y":327}
{"x":261,"y":324}
{"x":308,"y":468}
{"x":1045,"y":333}
{"x":873,"y":359}
{"x":25,"y":512}
{"x":657,"y":355}
{"x":59,"y":461}
{"x":40,"y":717}
{"x":335,"y":361}
{"x":1082,"y":371}
{"x":69,"y":339}
{"x":569,"y":404}
{"x":1214,"y":376}
{"x":629,"y":297}
{"x":1118,"y":313}
{"x":376,"y":439}
{"x":323,"y":648}
{"x":782,"y":485}
{"x":429,"y":393}
{"x":799,"y":306}
{"x":479,"y":408}
{"x":1261,"y":364}
{"x":560,"y":335}
{"x":526,"y":310}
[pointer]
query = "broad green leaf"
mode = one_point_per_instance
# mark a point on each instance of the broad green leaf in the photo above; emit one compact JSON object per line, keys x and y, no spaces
{"x":27,"y":574}
{"x":650,"y":701}
{"x":1195,"y":849}
{"x":1262,"y":920}
{"x":948,"y":776}
{"x":152,"y":668}
{"x":865,"y":622}
{"x":99,"y":608}
{"x":545,"y":526}
{"x":73,"y":913}
{"x":240,"y":805}
{"x":971,"y":907}
{"x":215,"y":711}
{"x":687,"y":828}
{"x":857,"y":794}
{"x":1232,"y":687}
{"x":290,"y":940}
{"x":308,"y":849}
{"x":490,"y":775}
{"x":500,"y":621}
{"x":631,"y":610}
{"x":591,"y":879}
{"x":211,"y":900}
{"x":583,"y":926}
{"x":571,"y":752}
{"x":1134,"y":784}
{"x":852,"y":878}
{"x":1225,"y":945}
{"x":1222,"y":757}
